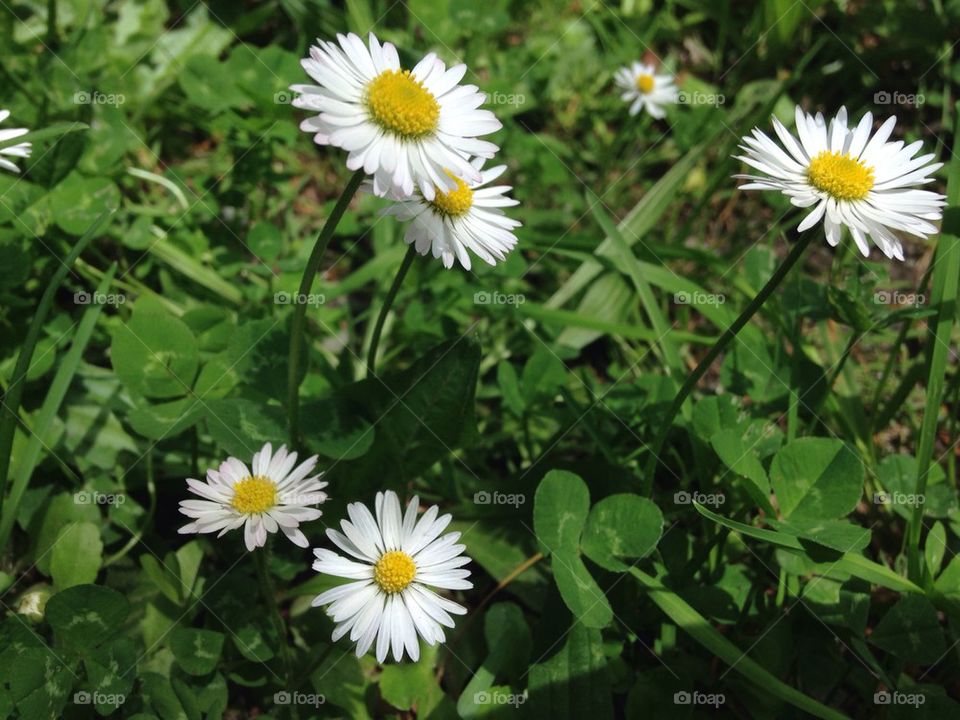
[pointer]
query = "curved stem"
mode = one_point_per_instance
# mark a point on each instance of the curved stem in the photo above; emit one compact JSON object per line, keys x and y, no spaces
{"x":387,"y":304}
{"x":731,"y":332}
{"x":300,"y":306}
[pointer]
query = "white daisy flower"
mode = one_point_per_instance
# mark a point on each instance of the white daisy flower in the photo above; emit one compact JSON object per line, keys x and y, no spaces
{"x":21,"y":150}
{"x":274,"y":496}
{"x":403,"y":127}
{"x":393,"y":559}
{"x":849,"y":178}
{"x":467,"y":218}
{"x":643,"y":88}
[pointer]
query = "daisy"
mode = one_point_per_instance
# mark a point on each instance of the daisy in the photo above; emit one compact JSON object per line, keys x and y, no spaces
{"x":274,"y":496}
{"x":643,"y":88}
{"x":467,"y":218}
{"x":393,"y":559}
{"x":20,"y":150}
{"x":403,"y":127}
{"x":849,"y":178}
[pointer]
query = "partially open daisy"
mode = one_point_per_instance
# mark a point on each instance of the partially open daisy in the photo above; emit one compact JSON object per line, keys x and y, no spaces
{"x":393,"y":558}
{"x":273,"y":496}
{"x":21,"y":150}
{"x":643,"y":88}
{"x":849,"y":178}
{"x":466,"y":218}
{"x":403,"y":127}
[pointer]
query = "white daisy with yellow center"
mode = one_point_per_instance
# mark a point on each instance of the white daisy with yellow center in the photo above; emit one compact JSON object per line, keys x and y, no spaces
{"x":850,"y":179}
{"x":643,"y":88}
{"x":21,"y":150}
{"x":403,"y":127}
{"x":466,"y":218}
{"x":392,"y":559}
{"x":272,"y":495}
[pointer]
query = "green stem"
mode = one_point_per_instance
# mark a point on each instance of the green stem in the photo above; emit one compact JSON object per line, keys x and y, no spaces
{"x":11,"y":401}
{"x":300,"y":307}
{"x":261,"y":560}
{"x":385,"y":308}
{"x":946,"y":287}
{"x":731,"y":332}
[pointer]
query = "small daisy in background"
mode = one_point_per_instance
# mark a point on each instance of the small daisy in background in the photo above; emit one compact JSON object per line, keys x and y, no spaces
{"x":405,"y":128}
{"x":643,"y":88}
{"x":274,"y":496}
{"x":393,"y":559}
{"x":21,"y":150}
{"x":455,"y":221}
{"x":851,"y":177}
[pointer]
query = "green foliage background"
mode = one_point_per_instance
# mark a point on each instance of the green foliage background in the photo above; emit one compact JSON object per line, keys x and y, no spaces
{"x":760,"y":565}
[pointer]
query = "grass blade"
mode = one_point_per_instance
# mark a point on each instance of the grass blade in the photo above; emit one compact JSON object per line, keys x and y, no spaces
{"x":944,"y":296}
{"x":700,"y":630}
{"x":51,"y":405}
{"x":11,"y":401}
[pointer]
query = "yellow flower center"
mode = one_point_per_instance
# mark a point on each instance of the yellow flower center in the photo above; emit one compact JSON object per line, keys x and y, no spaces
{"x":398,"y":102}
{"x":454,"y":203}
{"x":841,"y":176}
{"x":394,"y":571}
{"x":254,"y":495}
{"x":645,"y":83}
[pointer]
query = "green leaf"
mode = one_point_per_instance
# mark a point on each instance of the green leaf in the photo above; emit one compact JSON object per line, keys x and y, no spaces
{"x":572,"y":681}
{"x":155,"y":354}
{"x":330,"y":427}
{"x":911,"y":631}
{"x":241,"y":426}
{"x":77,"y":555}
{"x":560,"y":509}
{"x":621,"y":526}
{"x":836,"y":534}
{"x":196,"y":651}
{"x":817,"y":478}
{"x":579,"y":590}
{"x":851,"y":563}
{"x":935,"y":548}
{"x":85,"y":616}
{"x":414,"y":684}
{"x":421,"y":414}
{"x":78,"y":201}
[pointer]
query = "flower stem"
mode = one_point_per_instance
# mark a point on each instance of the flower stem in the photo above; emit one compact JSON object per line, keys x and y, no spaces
{"x":300,"y":307}
{"x":385,"y":308}
{"x":261,"y":560}
{"x":731,"y":332}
